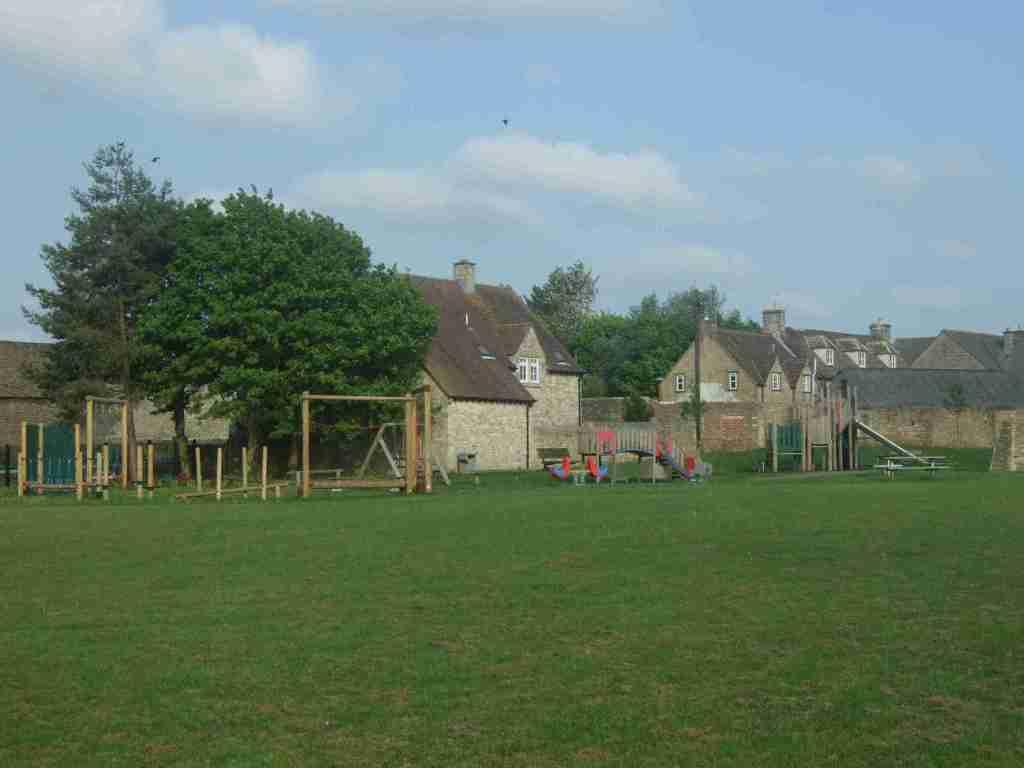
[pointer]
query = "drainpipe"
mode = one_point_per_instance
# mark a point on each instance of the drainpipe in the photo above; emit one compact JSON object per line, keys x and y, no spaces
{"x":528,"y":405}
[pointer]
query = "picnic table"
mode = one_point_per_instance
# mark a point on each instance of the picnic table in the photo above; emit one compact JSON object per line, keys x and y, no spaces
{"x":891,"y":465}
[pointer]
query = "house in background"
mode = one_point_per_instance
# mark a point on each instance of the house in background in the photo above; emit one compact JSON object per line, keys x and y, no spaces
{"x":504,"y":386}
{"x":20,"y":398}
{"x":967,"y":350}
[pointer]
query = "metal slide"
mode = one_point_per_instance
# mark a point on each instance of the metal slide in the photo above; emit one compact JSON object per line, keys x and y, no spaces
{"x":889,"y":443}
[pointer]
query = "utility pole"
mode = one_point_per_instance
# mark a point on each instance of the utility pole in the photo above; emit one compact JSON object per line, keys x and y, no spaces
{"x":698,"y":416}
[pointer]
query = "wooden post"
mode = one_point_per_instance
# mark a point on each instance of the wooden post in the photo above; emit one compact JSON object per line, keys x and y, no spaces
{"x":151,"y":468}
{"x":99,"y":469}
{"x":263,"y":474}
{"x":199,"y":469}
{"x":106,"y":464}
{"x":245,"y":470}
{"x":220,"y":468}
{"x":23,"y":453}
{"x":854,"y":437}
{"x":428,"y":468}
{"x":138,"y":470}
{"x":410,"y":446}
{"x":21,"y":474}
{"x":90,"y":437}
{"x":40,"y":457}
{"x":305,"y":446}
{"x":126,"y":451}
{"x":773,"y":430}
{"x":79,"y":490}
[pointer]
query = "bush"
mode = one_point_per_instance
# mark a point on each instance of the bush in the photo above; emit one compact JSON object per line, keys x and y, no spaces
{"x":637,"y":408}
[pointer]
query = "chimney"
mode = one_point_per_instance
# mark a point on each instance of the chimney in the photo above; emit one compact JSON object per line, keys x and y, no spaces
{"x":465,"y":275}
{"x":881,"y":330}
{"x":707,"y":324}
{"x":1013,"y":348}
{"x":773,"y":320}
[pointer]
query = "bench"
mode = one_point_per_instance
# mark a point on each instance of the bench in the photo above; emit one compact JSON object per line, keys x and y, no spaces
{"x":551,"y":456}
{"x":890,"y":468}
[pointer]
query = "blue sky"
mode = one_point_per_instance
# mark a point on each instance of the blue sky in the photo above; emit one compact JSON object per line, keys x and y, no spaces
{"x":847,"y":163}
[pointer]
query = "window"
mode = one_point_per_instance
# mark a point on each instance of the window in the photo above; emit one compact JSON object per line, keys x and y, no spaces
{"x":862,"y":359}
{"x":734,"y":381}
{"x":776,"y":382}
{"x":680,"y":382}
{"x":830,"y":357}
{"x":528,"y":370}
{"x":806,"y":381}
{"x":889,"y":360}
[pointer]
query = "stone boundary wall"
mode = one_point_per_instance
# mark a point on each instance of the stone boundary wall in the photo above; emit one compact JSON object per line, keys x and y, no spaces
{"x":925,"y":427}
{"x":15,"y":410}
{"x":1008,"y":441}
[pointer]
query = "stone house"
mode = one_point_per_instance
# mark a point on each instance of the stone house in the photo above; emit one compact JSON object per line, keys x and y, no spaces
{"x":504,"y":386}
{"x":20,"y":399}
{"x":967,"y":350}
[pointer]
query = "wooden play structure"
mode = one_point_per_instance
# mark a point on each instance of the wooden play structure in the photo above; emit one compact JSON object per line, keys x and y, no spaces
{"x":412,"y":470}
{"x":608,"y":452}
{"x":219,"y":491}
{"x":98,"y":466}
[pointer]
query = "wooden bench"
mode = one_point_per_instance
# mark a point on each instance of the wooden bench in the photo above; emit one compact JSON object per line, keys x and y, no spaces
{"x":551,"y":456}
{"x":254,"y":489}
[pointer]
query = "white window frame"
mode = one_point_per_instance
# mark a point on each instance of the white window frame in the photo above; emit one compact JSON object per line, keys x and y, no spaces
{"x":522,"y":370}
{"x":830,"y":357}
{"x":862,"y":359}
{"x":806,"y":380}
{"x":680,"y":382}
{"x":775,"y":381}
{"x":534,"y":366}
{"x":733,"y":381}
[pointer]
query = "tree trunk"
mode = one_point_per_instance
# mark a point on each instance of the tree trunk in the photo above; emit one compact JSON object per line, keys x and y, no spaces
{"x":127,"y":451}
{"x":255,"y":442}
{"x":181,"y":438}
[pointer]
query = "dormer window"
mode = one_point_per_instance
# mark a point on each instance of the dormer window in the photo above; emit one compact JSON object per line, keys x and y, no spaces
{"x":734,"y":381}
{"x":528,"y":370}
{"x":680,"y":382}
{"x":829,"y":357}
{"x":775,"y":381}
{"x":888,"y":359}
{"x":805,"y":381}
{"x":862,"y":359}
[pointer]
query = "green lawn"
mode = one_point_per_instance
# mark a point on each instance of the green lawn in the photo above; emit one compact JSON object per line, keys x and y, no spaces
{"x":753,"y":621}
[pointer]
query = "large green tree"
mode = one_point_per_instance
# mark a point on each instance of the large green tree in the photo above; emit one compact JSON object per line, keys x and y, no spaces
{"x":262,"y":303}
{"x":565,"y":299}
{"x":121,"y":241}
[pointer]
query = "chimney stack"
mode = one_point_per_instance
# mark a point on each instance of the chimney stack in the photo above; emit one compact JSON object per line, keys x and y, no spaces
{"x":773,"y":320}
{"x":465,"y":275}
{"x":1013,"y":348}
{"x":881,"y":330}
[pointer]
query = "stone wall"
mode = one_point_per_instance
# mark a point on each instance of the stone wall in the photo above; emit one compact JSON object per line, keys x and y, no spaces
{"x":555,"y":414}
{"x":1008,"y":442}
{"x":496,"y":432}
{"x":924,"y":427}
{"x":597,"y":409}
{"x":947,"y":354}
{"x":13,"y":411}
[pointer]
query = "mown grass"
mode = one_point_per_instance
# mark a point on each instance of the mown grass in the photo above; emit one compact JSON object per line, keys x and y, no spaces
{"x":519,"y":622}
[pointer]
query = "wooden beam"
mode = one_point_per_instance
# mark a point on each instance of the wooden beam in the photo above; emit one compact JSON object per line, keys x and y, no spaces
{"x":327,"y":484}
{"x":126,"y":451}
{"x":40,"y":456}
{"x":138,"y":470}
{"x":106,"y":464}
{"x":199,"y":469}
{"x":79,"y":490}
{"x":151,"y":469}
{"x":263,"y":474}
{"x":110,"y":400}
{"x":428,"y":467}
{"x":89,"y":440}
{"x":220,"y":469}
{"x":358,"y":398}
{"x":410,"y":446}
{"x":245,"y":467}
{"x":21,"y":474}
{"x":305,"y":445}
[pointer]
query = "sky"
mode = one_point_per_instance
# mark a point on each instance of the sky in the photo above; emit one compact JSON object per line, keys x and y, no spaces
{"x":848,"y":161}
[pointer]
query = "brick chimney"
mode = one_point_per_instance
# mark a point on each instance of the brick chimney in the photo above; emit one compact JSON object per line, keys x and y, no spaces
{"x":881,"y":330}
{"x":773,"y":320}
{"x":464,"y":272}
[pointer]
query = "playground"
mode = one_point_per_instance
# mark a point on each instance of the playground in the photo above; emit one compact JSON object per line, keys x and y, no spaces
{"x":752,"y":620}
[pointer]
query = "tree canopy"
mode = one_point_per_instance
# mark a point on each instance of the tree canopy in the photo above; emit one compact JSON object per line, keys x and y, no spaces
{"x":565,"y":300}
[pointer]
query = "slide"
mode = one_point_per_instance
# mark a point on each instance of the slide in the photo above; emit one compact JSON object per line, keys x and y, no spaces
{"x":887,"y":442}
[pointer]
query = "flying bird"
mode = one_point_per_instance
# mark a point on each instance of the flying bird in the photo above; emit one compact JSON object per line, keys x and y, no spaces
{"x":505,"y":122}
{"x":156,"y":159}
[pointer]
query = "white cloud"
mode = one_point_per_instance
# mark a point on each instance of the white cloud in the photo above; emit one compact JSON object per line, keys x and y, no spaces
{"x":928,"y":296}
{"x":956,"y":250}
{"x":230,"y":70}
{"x":126,"y":46}
{"x":400,"y":194}
{"x":631,"y":179}
{"x":802,"y":305}
{"x":477,"y":10}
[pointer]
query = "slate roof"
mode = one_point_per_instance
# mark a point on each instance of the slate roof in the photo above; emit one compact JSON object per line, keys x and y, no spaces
{"x":911,"y":348}
{"x":754,"y":351}
{"x":986,"y":348}
{"x":929,"y":388}
{"x":15,"y":356}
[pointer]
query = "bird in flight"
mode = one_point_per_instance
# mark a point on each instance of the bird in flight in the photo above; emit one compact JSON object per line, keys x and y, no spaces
{"x":156,"y":159}
{"x":505,"y":122}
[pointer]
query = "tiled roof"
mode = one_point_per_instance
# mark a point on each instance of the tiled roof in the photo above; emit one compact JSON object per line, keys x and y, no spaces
{"x":15,"y":356}
{"x":911,"y":348}
{"x":928,"y":388}
{"x":756,"y":352}
{"x":454,"y":360}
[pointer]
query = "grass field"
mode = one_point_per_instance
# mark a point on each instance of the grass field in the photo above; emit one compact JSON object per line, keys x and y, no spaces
{"x":754,"y":621}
